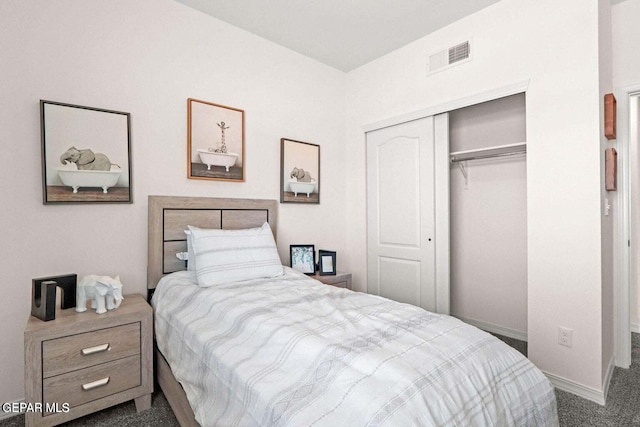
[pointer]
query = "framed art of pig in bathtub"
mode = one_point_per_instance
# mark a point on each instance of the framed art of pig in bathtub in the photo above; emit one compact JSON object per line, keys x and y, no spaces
{"x":86,"y":154}
{"x":215,"y":141}
{"x":299,"y":172}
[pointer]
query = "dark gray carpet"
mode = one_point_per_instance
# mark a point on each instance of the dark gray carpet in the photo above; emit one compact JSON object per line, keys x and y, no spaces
{"x":521,"y":346}
{"x":623,"y":401}
{"x":622,"y":408}
{"x":123,"y":415}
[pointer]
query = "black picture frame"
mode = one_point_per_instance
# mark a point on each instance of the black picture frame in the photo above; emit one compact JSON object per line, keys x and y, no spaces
{"x":299,"y":172}
{"x":303,"y":258}
{"x":326,"y":263}
{"x":86,"y":154}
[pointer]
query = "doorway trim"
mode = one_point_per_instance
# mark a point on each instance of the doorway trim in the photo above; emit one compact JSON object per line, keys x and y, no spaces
{"x":623,"y":231}
{"x":478,"y":98}
{"x":440,"y":114}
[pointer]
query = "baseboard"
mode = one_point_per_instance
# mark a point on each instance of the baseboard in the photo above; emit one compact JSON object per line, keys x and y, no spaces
{"x":580,"y":390}
{"x":635,"y":327}
{"x":496,"y":329}
{"x":4,"y":415}
{"x":589,"y":393}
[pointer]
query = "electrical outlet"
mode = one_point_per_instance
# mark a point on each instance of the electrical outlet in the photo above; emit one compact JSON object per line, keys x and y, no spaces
{"x":565,"y":337}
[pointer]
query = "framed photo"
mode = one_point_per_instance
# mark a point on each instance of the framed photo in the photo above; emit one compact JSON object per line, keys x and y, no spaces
{"x":215,"y":141}
{"x":299,"y":172}
{"x":86,"y":154}
{"x":326,"y":263}
{"x":303,"y":258}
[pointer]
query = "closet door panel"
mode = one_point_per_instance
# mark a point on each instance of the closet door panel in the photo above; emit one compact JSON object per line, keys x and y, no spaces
{"x":401,"y":210}
{"x":398,"y":191}
{"x":399,"y":279}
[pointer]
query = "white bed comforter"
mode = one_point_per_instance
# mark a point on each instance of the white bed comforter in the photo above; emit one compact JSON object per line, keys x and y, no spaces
{"x":291,"y":351}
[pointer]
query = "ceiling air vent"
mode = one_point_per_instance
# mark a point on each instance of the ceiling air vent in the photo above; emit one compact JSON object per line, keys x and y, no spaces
{"x":446,"y":58}
{"x":459,"y":52}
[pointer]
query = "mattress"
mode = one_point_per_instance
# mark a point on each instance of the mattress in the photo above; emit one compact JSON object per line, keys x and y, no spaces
{"x":291,"y":351}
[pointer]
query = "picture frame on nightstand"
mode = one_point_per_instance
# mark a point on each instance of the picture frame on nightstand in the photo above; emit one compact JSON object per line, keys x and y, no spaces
{"x":303,"y":258}
{"x":326,"y":263}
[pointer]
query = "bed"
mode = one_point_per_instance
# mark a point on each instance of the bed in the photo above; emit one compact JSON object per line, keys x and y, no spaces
{"x":288,"y":350}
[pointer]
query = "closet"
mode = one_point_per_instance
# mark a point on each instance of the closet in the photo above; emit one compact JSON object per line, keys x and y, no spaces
{"x":488,"y":215}
{"x":447,"y":213}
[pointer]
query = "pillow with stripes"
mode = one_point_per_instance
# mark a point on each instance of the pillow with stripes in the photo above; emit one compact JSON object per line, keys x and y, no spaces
{"x":224,"y":256}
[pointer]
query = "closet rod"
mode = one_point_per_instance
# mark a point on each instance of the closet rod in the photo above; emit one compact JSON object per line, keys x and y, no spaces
{"x":486,"y":156}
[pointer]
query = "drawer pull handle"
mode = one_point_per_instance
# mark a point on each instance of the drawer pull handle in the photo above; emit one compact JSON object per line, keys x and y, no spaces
{"x":97,"y":349}
{"x":94,"y":384}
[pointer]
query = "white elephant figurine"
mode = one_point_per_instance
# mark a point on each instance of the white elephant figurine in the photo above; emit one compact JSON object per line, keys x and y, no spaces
{"x":104,"y":292}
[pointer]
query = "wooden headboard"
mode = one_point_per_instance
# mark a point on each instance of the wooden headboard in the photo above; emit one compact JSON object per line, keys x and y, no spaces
{"x":169,"y":216}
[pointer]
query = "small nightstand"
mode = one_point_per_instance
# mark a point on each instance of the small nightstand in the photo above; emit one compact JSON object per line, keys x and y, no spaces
{"x":80,"y":363}
{"x":341,"y":280}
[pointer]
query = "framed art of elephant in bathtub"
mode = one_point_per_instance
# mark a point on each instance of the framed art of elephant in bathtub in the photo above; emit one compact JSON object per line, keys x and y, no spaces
{"x":299,"y":172}
{"x":86,"y":154}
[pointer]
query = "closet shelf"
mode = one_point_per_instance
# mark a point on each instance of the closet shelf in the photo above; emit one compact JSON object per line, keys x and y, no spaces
{"x":487,"y":152}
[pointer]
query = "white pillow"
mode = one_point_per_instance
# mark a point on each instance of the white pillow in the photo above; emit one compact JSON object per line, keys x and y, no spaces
{"x":224,"y":256}
{"x":191,"y":256}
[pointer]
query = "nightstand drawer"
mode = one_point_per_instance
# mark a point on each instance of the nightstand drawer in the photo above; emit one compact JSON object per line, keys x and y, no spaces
{"x":80,"y":351}
{"x":340,"y":280}
{"x":85,"y":385}
{"x":339,"y":284}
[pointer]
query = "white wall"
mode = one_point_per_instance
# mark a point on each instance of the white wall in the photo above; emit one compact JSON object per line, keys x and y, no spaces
{"x":626,"y":72}
{"x":607,"y":221}
{"x":516,"y":40}
{"x":626,"y":33}
{"x":146,"y":57}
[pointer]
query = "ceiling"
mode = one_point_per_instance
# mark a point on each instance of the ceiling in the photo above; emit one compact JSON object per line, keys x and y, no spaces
{"x":343,"y":34}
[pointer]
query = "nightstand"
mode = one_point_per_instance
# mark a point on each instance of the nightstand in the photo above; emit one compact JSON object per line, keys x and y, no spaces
{"x":341,"y":280}
{"x":80,"y":363}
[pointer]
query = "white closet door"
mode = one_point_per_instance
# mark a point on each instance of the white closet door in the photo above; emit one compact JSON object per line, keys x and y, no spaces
{"x":401,"y":216}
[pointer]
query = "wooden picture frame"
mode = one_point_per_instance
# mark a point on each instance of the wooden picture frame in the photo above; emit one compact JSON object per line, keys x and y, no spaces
{"x":86,"y":154}
{"x":215,"y":141}
{"x":303,"y":258}
{"x":299,"y":172}
{"x":326,"y":263}
{"x":610,"y":116}
{"x":610,"y":169}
